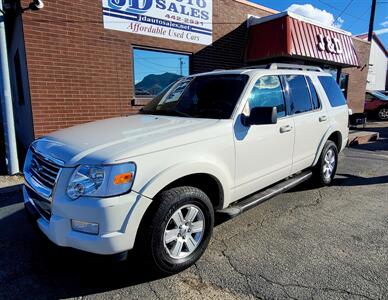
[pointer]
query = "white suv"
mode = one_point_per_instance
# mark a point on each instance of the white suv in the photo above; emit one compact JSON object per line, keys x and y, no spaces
{"x":209,"y":145}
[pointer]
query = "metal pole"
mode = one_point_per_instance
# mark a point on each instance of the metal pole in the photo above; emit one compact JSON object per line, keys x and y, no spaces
{"x":372,"y":20}
{"x":6,"y":102}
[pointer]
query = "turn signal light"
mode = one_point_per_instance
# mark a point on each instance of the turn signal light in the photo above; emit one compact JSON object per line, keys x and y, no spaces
{"x":123,"y":178}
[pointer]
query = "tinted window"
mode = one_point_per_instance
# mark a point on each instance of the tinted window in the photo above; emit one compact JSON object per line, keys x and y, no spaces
{"x":209,"y":96}
{"x":268,"y":92}
{"x":314,"y":95}
{"x":299,"y":94}
{"x":333,"y":92}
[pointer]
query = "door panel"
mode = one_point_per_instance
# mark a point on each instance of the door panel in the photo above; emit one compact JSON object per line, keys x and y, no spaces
{"x":309,"y":130}
{"x":263,"y":152}
{"x":310,"y":119}
{"x":263,"y":155}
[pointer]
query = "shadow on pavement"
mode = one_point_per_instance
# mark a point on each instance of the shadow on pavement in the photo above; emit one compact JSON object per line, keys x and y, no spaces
{"x":33,"y":267}
{"x":354,"y":180}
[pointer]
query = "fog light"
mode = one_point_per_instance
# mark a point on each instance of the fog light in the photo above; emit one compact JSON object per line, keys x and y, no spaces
{"x":85,"y":227}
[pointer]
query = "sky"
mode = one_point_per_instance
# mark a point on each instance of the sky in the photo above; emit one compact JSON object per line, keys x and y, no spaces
{"x":156,"y":62}
{"x":350,"y":15}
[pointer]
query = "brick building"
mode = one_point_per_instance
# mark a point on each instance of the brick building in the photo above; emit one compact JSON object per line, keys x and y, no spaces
{"x":68,"y":67}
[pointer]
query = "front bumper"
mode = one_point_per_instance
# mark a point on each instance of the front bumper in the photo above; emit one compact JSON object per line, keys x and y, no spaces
{"x":118,"y":219}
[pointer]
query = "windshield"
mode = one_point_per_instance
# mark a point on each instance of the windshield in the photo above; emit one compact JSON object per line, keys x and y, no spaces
{"x":379,"y":95}
{"x":207,"y":96}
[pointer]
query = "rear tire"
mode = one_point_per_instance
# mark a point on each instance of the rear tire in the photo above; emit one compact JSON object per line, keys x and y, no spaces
{"x":326,"y":167}
{"x":176,"y":230}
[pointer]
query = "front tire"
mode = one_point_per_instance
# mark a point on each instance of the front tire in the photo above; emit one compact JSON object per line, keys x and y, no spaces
{"x":383,"y":113}
{"x":326,"y":167}
{"x":177,"y":229}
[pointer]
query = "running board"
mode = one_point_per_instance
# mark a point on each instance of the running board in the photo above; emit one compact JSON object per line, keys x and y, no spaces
{"x":251,"y":201}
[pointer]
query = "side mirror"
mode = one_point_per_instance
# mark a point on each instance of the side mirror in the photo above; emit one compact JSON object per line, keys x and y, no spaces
{"x":261,"y":116}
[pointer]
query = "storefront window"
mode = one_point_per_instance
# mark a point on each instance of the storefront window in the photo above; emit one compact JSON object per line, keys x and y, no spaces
{"x":155,"y":70}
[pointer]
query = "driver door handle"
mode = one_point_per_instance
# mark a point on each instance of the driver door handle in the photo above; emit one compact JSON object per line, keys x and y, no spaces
{"x":286,"y":128}
{"x":322,"y":118}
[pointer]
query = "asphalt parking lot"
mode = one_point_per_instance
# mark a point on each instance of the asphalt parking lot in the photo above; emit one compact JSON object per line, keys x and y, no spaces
{"x":328,"y":243}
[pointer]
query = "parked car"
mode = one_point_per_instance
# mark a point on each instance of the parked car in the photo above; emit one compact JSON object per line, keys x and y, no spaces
{"x":376,"y":104}
{"x":217,"y":143}
{"x":384,"y":92}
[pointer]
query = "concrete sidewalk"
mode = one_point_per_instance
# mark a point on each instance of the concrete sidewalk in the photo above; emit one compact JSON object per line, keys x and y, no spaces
{"x":11,"y":181}
{"x":372,"y":131}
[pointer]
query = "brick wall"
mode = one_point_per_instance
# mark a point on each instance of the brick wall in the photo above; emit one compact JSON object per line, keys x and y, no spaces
{"x":358,"y":76}
{"x":81,"y":72}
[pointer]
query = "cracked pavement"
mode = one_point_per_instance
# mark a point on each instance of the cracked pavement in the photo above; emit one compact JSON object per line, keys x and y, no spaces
{"x":328,"y":243}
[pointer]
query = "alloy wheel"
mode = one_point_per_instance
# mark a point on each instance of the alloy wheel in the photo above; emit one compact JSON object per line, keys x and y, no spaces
{"x":184,"y":231}
{"x":383,"y":114}
{"x":329,"y":164}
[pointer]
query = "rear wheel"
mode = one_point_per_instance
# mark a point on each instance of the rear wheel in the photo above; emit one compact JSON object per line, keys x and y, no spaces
{"x":383,"y":113}
{"x":326,"y":167}
{"x":177,"y":229}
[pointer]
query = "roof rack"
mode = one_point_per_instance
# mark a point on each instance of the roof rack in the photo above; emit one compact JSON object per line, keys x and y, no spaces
{"x":281,"y":66}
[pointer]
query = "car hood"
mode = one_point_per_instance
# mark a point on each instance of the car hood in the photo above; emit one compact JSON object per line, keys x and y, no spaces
{"x":103,"y":141}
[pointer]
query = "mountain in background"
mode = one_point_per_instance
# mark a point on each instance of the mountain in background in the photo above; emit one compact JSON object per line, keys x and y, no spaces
{"x":153,"y":84}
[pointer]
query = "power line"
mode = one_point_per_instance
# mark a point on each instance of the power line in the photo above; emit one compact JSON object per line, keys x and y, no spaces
{"x":343,"y":11}
{"x":337,"y":9}
{"x":355,"y":22}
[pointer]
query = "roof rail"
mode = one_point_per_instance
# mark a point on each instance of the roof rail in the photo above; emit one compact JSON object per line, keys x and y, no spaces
{"x":281,"y":66}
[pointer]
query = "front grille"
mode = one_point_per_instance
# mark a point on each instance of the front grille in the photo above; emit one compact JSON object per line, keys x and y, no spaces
{"x":42,"y":205}
{"x":43,"y":171}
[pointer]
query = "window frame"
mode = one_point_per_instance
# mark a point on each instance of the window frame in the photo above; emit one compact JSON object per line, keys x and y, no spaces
{"x":324,"y":90}
{"x":250,"y":88}
{"x":288,"y":95}
{"x":154,"y":49}
{"x":311,"y":96}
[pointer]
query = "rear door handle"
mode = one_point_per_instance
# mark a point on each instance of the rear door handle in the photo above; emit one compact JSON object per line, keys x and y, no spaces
{"x":322,"y":118}
{"x":286,"y":128}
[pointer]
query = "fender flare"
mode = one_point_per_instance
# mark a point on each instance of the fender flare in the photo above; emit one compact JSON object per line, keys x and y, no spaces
{"x":180,"y":170}
{"x":328,"y":133}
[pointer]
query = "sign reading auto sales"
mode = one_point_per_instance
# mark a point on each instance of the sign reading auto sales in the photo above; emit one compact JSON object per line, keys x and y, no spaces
{"x":182,"y":20}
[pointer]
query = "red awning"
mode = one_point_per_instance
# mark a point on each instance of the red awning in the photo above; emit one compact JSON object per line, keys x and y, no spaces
{"x":287,"y":35}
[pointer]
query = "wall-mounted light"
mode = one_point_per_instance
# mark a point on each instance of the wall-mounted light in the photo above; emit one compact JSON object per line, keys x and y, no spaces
{"x":14,"y":8}
{"x":34,"y":5}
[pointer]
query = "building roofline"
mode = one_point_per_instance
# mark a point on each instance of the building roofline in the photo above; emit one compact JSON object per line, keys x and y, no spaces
{"x":376,"y":38}
{"x":355,"y":37}
{"x":300,"y":18}
{"x":255,"y":5}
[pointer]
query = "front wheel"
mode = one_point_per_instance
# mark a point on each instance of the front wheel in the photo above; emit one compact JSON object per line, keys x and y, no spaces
{"x":326,"y":167}
{"x":177,"y":229}
{"x":383,"y":113}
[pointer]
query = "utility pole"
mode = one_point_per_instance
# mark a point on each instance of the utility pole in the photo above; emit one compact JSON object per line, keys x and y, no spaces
{"x":6,"y":101}
{"x":372,"y":20}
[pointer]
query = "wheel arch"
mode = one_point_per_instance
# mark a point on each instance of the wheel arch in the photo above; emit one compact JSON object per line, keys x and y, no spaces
{"x":333,"y":135}
{"x":208,"y":183}
{"x":207,"y":177}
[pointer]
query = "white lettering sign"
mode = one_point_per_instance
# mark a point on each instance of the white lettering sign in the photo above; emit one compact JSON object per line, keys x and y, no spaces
{"x":329,"y":44}
{"x":181,"y":20}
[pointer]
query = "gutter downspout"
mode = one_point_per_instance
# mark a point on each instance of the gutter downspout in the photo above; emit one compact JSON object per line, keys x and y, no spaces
{"x":6,"y":102}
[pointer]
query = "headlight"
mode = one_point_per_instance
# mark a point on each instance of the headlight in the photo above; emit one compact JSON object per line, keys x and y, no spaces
{"x":101,"y":181}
